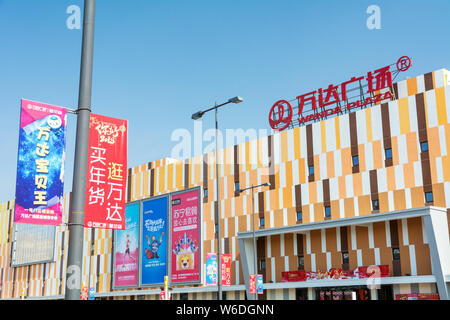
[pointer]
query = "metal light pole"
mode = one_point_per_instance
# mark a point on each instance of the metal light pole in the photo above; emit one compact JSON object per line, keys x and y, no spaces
{"x":197,"y":116}
{"x":255,"y":262}
{"x":76,"y":217}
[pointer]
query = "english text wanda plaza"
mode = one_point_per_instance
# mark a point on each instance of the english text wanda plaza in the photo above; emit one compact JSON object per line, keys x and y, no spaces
{"x":348,"y":199}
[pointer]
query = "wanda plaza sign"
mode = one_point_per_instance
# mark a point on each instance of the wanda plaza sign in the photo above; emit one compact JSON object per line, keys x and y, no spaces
{"x":335,"y":99}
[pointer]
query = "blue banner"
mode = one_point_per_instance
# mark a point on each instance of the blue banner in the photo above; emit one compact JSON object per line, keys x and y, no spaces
{"x":154,"y":241}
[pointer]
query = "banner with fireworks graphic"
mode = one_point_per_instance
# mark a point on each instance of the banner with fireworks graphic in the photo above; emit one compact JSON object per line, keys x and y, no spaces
{"x":40,"y":164}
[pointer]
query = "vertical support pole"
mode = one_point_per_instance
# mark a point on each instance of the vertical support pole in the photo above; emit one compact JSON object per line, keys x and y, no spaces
{"x":219,"y":255}
{"x":76,"y":215}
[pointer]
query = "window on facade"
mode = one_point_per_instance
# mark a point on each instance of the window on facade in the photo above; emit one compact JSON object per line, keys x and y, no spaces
{"x":395,"y":253}
{"x":388,"y":153}
{"x":299,"y":216}
{"x":236,"y":186}
{"x":424,"y":146}
{"x":261,"y":222}
{"x":327,"y":211}
{"x":311,"y":170}
{"x":184,"y":296}
{"x":355,"y":160}
{"x":205,"y":192}
{"x":375,"y":204}
{"x":428,"y":197}
{"x":301,"y":262}
{"x":345,"y":257}
{"x":262,"y":264}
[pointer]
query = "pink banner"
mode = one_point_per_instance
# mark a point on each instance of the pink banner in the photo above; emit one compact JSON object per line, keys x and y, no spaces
{"x":185,"y":240}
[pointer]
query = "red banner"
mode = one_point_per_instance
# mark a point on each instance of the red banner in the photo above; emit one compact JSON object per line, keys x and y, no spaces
{"x":373,"y":271}
{"x":417,"y":296}
{"x":226,"y":269}
{"x":363,"y":272}
{"x":252,"y":283}
{"x":107,"y":173}
{"x":293,"y":276}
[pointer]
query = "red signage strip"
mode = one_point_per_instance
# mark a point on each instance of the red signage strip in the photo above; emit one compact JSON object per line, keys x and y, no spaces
{"x":417,"y":296}
{"x":334,"y":99}
{"x":362,"y":272}
{"x":107,"y":173}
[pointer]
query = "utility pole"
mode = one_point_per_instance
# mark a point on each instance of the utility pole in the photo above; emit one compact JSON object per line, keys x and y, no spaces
{"x":78,"y":198}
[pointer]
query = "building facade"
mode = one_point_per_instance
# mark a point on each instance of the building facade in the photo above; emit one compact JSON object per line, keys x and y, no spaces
{"x":365,"y":188}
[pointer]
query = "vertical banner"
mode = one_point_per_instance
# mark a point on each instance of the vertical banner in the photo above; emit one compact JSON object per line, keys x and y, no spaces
{"x":107,"y":173}
{"x":252,"y":283}
{"x":226,"y":269}
{"x":40,"y":164}
{"x":185,"y":237}
{"x":154,"y":241}
{"x":259,"y":283}
{"x":211,"y":269}
{"x":126,"y":249}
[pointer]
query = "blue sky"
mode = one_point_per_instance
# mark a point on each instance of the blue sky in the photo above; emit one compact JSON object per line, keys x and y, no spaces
{"x":157,"y":62}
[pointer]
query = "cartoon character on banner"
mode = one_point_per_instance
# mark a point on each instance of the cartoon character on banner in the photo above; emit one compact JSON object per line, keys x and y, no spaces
{"x":184,"y":251}
{"x":154,"y":245}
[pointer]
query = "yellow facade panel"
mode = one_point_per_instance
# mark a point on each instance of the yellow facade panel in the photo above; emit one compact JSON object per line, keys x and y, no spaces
{"x":403,"y":111}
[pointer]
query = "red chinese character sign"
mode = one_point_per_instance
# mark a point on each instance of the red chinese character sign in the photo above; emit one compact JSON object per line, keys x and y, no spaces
{"x":335,"y":99}
{"x":185,"y":237}
{"x":106,"y":173}
{"x":40,"y":164}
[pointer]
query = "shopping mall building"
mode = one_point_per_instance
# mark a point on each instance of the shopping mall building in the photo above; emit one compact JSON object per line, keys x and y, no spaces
{"x":350,"y":191}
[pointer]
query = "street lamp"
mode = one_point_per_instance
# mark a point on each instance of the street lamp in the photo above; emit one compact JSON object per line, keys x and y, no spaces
{"x":255,"y":269}
{"x":197,"y":116}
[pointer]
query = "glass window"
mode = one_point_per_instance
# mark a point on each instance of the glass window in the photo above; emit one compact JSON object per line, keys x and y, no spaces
{"x":261,"y":222}
{"x":311,"y":170}
{"x":428,"y":197}
{"x":345,"y":258}
{"x":236,"y":186}
{"x":388,"y":153}
{"x":205,"y":192}
{"x":327,"y":211}
{"x":396,"y":253}
{"x":301,"y":262}
{"x":375,"y":204}
{"x":262,"y":264}
{"x":299,"y":216}
{"x":424,"y":146}
{"x":355,"y":160}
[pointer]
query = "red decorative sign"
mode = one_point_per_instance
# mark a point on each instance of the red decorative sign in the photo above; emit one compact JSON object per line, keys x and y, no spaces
{"x":252,"y":283}
{"x":284,"y":116}
{"x":373,"y":271}
{"x":403,"y":63}
{"x":226,"y":269}
{"x":107,"y":173}
{"x":293,"y":276}
{"x":334,"y":98}
{"x":362,"y":272}
{"x":417,"y":296}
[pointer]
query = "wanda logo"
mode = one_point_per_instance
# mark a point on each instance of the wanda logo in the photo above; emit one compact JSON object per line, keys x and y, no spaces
{"x":282,"y":116}
{"x":374,"y":87}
